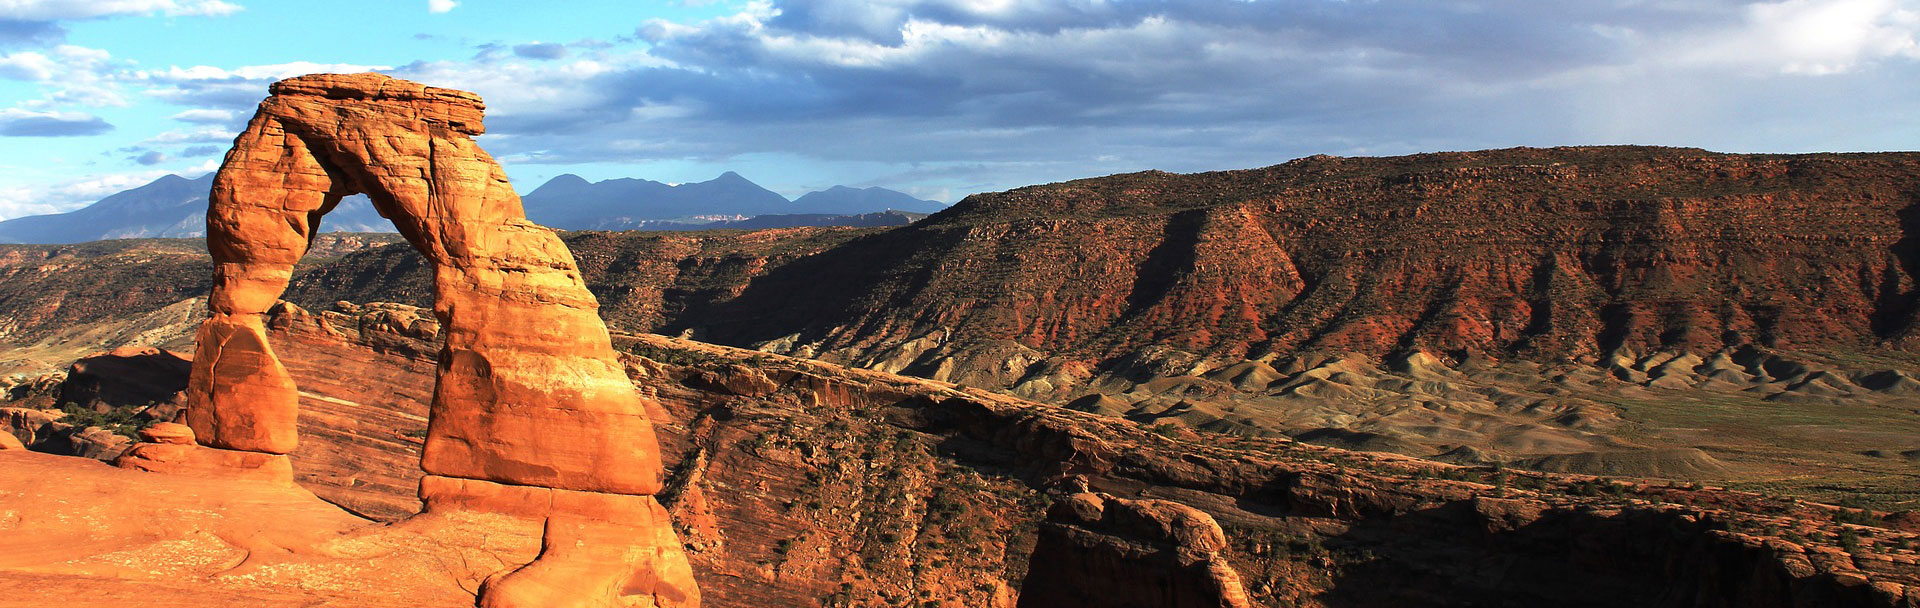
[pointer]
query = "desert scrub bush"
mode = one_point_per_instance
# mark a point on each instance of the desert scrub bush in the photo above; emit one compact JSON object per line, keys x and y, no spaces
{"x":1858,"y":517}
{"x":671,"y":356}
{"x":123,"y":421}
{"x":1849,"y":540}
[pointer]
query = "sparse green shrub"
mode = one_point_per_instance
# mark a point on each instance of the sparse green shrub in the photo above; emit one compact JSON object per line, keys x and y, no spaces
{"x":1858,"y":517}
{"x":666,"y":356}
{"x":119,"y":421}
{"x":1849,"y":540}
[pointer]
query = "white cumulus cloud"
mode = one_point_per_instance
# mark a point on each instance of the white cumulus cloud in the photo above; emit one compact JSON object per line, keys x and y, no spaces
{"x":67,"y":75}
{"x":210,"y":87}
{"x":27,"y":65}
{"x":440,"y":6}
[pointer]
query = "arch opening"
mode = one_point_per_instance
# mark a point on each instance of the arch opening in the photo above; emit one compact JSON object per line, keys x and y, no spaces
{"x":531,"y":415}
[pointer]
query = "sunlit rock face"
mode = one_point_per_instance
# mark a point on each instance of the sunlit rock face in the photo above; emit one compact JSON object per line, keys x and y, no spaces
{"x":530,"y":404}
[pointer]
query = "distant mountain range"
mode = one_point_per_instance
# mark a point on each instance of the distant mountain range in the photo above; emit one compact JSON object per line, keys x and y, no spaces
{"x":569,"y":202}
{"x":169,"y":207}
{"x":175,"y":207}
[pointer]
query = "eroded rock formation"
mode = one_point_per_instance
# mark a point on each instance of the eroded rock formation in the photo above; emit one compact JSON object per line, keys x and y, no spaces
{"x":133,"y":376}
{"x":1098,"y":550}
{"x":531,"y":413}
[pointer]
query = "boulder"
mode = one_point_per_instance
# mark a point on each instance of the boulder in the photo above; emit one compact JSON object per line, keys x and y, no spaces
{"x":167,"y":432}
{"x":1096,"y":550}
{"x":129,"y":376}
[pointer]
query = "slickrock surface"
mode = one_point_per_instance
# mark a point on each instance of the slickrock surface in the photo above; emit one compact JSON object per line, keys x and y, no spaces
{"x":76,"y":530}
{"x":528,"y":391}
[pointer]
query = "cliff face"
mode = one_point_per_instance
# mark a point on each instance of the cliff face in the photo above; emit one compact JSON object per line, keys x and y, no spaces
{"x":365,"y":376}
{"x":1533,"y":253}
{"x":643,"y":280}
{"x":1500,"y":304}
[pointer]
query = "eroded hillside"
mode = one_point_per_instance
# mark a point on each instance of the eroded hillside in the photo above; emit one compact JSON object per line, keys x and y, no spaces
{"x":1625,"y":310}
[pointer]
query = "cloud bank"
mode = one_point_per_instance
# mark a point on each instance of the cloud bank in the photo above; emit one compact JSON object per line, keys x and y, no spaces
{"x":994,"y":94}
{"x":965,"y":95}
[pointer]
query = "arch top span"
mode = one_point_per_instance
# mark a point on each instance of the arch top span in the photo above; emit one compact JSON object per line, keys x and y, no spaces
{"x":451,"y":108}
{"x":407,"y":146}
{"x":532,"y":413}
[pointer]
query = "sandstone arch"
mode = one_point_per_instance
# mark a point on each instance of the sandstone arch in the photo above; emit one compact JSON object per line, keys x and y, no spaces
{"x":532,"y":414}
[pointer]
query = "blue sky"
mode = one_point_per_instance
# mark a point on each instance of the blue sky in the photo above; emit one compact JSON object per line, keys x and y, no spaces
{"x":942,"y":98}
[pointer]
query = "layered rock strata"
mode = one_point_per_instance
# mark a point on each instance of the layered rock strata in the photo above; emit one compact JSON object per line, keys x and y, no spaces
{"x":528,"y":394}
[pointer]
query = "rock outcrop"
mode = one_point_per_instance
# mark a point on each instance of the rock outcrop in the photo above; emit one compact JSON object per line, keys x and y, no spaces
{"x":366,"y":381}
{"x":1099,"y":551}
{"x":528,"y":396}
{"x":129,"y":376}
{"x":55,"y":432}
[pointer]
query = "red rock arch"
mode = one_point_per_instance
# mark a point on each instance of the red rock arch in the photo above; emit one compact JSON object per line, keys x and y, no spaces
{"x":531,"y":415}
